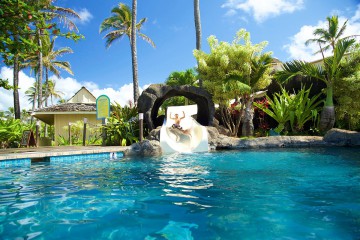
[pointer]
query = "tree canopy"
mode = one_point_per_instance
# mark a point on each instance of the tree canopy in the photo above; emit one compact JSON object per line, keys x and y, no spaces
{"x":228,"y":70}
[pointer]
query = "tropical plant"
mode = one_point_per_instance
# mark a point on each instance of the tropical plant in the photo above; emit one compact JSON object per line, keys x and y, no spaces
{"x":11,"y":131}
{"x":346,"y":90}
{"x":330,"y":71}
{"x":295,"y":109}
{"x":123,"y":127}
{"x":51,"y":13}
{"x":329,"y":36}
{"x":119,"y":25}
{"x":52,"y":92}
{"x":14,"y":37}
{"x":76,"y":129}
{"x":233,"y":70}
{"x":187,"y":77}
{"x":20,"y":21}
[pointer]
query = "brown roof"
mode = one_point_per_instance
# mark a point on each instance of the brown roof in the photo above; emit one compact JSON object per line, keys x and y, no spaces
{"x":69,"y":107}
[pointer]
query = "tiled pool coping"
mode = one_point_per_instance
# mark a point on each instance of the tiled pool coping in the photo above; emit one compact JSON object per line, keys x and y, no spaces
{"x":22,"y":154}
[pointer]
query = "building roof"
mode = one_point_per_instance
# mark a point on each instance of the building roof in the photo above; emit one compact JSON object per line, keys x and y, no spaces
{"x":69,"y":107}
{"x":47,"y":114}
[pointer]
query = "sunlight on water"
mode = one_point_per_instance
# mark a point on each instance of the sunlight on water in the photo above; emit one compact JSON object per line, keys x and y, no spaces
{"x":272,"y":194}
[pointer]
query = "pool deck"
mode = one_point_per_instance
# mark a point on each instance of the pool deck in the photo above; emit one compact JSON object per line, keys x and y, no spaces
{"x":41,"y":152}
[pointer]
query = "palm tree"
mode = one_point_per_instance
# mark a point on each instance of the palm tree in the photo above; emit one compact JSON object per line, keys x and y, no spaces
{"x":329,"y":72}
{"x":134,"y":52}
{"x":52,"y":92}
{"x":50,"y":63}
{"x":63,"y":15}
{"x":53,"y":65}
{"x":197,"y":28}
{"x":330,"y":36}
{"x":120,"y":24}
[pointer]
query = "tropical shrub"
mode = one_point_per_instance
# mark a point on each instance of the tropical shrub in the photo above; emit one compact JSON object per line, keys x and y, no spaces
{"x":123,"y":125}
{"x":233,"y":70}
{"x":11,"y":131}
{"x":346,"y":93}
{"x":291,"y":109}
{"x":77,"y":130}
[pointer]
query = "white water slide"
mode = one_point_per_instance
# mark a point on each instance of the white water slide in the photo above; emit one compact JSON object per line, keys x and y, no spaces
{"x":192,"y":138}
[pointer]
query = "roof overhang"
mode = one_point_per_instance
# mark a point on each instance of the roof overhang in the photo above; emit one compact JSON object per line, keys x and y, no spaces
{"x":49,"y":117}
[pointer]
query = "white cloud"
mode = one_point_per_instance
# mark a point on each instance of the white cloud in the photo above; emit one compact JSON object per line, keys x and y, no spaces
{"x":85,"y":16}
{"x":69,"y":86}
{"x":25,"y":82}
{"x":297,"y":49}
{"x":262,"y":10}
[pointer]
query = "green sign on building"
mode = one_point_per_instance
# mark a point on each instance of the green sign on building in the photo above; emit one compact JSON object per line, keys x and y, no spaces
{"x":102,"y":107}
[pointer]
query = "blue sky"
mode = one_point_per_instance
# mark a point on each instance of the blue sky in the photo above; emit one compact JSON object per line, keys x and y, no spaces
{"x":285,"y":24}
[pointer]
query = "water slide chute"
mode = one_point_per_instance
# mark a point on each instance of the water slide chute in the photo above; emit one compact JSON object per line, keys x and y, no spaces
{"x":192,"y":138}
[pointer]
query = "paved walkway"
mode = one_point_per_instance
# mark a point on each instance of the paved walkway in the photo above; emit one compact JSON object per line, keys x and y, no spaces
{"x":41,"y":152}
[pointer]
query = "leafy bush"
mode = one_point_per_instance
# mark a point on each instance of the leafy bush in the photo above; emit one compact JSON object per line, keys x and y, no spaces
{"x":11,"y":131}
{"x":77,"y":129}
{"x":123,"y":125}
{"x":291,"y":109}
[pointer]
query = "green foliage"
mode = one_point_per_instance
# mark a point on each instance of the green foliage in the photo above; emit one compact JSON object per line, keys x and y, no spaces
{"x":348,"y":105}
{"x":227,"y":71}
{"x":77,"y":128}
{"x":119,"y":24}
{"x":5,"y":84}
{"x":11,"y":131}
{"x":233,"y":70}
{"x":123,"y":126}
{"x":19,"y":21}
{"x":187,"y":77}
{"x":295,"y":109}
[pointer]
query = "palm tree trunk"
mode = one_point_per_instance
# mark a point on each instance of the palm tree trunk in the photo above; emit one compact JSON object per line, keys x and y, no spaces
{"x":46,"y":86}
{"x":134,"y":53}
{"x":327,"y":117}
{"x":40,"y":69}
{"x":197,"y":29}
{"x":16,"y":86}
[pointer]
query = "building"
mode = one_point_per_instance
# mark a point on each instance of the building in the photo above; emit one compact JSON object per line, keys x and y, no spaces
{"x":81,"y":105}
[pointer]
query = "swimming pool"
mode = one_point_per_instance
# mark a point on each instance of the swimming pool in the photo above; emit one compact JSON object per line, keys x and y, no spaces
{"x":262,"y":194}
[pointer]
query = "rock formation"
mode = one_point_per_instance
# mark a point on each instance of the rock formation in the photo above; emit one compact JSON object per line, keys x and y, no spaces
{"x":153,"y":97}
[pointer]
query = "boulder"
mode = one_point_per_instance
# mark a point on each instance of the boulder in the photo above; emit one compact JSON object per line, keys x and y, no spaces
{"x":154,"y":134}
{"x":153,"y":97}
{"x":146,"y":148}
{"x":342,"y":137}
{"x":225,"y":142}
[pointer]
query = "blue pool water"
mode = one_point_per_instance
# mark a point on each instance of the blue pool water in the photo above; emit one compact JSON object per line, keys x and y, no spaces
{"x":272,"y":194}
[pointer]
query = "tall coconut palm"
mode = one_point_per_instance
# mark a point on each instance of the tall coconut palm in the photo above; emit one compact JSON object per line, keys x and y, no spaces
{"x":53,"y":65}
{"x":120,"y":24}
{"x":49,"y":62}
{"x":327,"y":38}
{"x":329,"y":72}
{"x":134,"y":52}
{"x":197,"y":28}
{"x":52,"y":92}
{"x":63,"y":15}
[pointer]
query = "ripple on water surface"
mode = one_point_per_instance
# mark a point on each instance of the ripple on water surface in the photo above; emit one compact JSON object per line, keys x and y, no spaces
{"x":284,"y":194}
